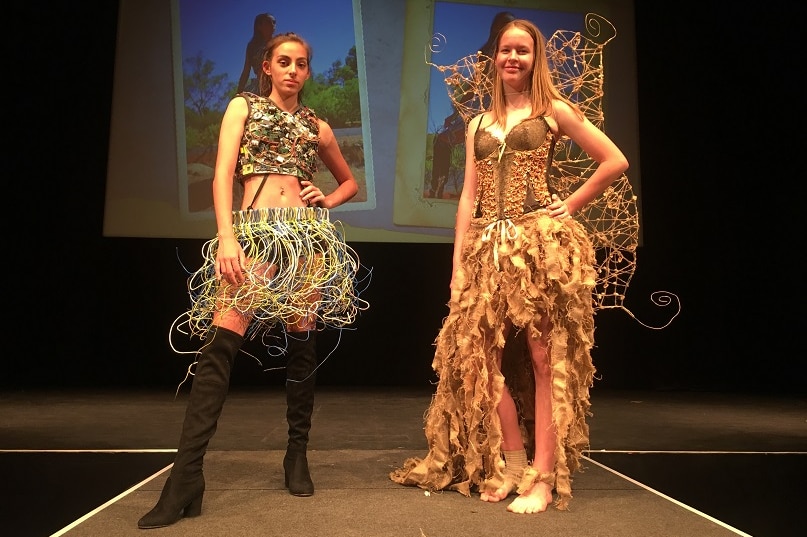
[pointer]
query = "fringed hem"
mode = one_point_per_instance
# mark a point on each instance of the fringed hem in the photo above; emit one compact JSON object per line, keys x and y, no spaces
{"x":531,"y":476}
{"x":298,"y":264}
{"x":513,"y":272}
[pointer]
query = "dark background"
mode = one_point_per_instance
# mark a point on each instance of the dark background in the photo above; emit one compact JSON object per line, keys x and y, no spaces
{"x":719,"y":110}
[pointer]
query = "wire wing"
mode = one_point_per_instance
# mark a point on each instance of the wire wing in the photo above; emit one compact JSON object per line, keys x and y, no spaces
{"x":612,"y":219}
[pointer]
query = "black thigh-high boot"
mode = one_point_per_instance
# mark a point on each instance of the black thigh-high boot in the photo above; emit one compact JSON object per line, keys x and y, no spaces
{"x":300,"y":377}
{"x":184,"y":488}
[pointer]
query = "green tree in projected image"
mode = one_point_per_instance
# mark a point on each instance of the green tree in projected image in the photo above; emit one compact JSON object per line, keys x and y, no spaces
{"x":206,"y":96}
{"x":335,"y":94}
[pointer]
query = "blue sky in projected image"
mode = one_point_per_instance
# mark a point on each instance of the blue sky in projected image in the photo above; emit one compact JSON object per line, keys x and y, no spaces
{"x":221,"y":30}
{"x":465,"y":28}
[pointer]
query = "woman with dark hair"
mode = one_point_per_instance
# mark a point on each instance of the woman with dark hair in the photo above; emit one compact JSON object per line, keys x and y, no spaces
{"x":453,"y":128}
{"x":499,"y":20}
{"x":263,"y":28}
{"x":277,"y":261}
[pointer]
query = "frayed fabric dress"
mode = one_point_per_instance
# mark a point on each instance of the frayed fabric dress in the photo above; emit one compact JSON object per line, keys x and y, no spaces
{"x":518,"y":265}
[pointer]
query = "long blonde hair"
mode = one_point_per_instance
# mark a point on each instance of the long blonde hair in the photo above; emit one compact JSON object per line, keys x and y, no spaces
{"x":541,"y":88}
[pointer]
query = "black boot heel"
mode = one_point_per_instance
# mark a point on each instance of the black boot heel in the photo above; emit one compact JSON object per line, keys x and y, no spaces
{"x":298,"y":478}
{"x":195,"y":507}
{"x":175,"y":503}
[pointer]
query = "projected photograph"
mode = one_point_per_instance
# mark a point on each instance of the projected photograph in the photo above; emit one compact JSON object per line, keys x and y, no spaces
{"x":376,"y":69}
{"x":218,"y":51}
{"x":427,"y":191}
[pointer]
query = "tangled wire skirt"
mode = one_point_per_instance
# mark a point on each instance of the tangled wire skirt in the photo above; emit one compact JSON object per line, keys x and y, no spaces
{"x":514,"y":272}
{"x":298,"y":264}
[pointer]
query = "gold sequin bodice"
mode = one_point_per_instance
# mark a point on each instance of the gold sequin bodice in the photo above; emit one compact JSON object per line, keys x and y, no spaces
{"x":512,"y":174}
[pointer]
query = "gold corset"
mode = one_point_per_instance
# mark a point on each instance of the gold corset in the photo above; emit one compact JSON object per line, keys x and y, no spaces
{"x":512,"y":175}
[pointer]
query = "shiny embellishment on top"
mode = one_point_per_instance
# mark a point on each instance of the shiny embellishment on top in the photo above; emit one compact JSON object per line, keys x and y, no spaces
{"x":276,"y":141}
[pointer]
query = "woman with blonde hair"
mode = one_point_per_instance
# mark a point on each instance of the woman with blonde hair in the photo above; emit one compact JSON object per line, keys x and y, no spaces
{"x":523,"y":273}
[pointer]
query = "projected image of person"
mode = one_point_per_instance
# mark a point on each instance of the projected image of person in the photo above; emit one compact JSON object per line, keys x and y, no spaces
{"x":453,"y":130}
{"x":513,"y":421}
{"x":278,"y":262}
{"x":263,"y":28}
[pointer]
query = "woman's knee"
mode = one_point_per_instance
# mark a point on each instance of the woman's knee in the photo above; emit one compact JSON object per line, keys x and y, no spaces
{"x":232,"y":321}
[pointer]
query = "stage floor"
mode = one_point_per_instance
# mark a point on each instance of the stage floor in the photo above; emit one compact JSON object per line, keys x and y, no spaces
{"x":90,"y":463}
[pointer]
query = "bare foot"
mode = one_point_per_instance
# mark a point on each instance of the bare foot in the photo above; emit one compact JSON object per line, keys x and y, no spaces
{"x":534,"y":500}
{"x":497,"y":495}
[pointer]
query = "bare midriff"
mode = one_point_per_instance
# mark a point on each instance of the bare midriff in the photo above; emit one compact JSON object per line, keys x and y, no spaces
{"x":278,"y":191}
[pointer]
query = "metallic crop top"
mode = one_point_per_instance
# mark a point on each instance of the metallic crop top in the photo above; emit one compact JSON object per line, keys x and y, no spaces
{"x":512,"y":174}
{"x":276,"y":141}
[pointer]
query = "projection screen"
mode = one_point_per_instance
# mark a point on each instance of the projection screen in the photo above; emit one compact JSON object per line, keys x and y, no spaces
{"x":178,"y":63}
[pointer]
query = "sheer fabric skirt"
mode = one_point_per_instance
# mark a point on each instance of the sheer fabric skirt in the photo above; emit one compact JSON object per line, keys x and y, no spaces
{"x":514,"y":272}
